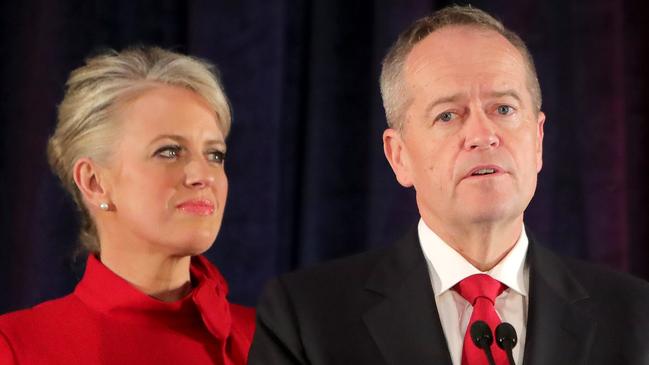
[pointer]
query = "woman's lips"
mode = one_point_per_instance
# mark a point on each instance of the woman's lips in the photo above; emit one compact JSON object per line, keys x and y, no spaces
{"x":197,"y":207}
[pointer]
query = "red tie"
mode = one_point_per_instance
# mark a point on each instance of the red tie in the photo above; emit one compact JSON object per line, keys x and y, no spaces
{"x":481,"y":291}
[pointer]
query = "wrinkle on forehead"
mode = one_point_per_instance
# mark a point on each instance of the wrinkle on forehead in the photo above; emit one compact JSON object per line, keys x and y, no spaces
{"x":461,"y":56}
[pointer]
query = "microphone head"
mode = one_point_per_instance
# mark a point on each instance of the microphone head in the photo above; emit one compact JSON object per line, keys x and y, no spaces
{"x":506,"y":336}
{"x":481,"y":334}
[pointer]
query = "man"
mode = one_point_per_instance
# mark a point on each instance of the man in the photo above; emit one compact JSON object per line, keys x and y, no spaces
{"x":465,"y":130}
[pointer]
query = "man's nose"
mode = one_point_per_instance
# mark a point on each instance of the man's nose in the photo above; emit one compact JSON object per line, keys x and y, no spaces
{"x":198,"y":174}
{"x":480,"y":132}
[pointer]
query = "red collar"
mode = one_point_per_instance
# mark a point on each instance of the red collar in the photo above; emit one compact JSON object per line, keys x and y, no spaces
{"x":110,"y":295}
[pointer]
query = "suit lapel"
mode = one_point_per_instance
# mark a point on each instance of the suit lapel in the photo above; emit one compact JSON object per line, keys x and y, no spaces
{"x":559,"y":327}
{"x":405,"y":324}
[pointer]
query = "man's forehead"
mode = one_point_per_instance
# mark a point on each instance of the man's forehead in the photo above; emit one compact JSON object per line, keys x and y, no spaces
{"x":453,"y":44}
{"x":463,"y":53}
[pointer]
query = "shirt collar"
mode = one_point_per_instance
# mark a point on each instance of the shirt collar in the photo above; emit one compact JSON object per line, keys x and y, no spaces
{"x":448,"y":267}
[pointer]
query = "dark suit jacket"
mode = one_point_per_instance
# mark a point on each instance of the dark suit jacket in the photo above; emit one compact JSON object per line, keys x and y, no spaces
{"x":378,"y":308}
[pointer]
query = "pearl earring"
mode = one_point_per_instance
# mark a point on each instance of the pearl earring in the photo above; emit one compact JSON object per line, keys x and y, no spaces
{"x":103,"y":206}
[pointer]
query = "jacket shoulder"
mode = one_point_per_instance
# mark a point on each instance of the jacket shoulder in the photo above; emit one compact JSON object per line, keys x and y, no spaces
{"x":24,"y":328}
{"x":616,"y":294}
{"x":299,"y":312}
{"x":333,"y":291}
{"x":46,"y":312}
{"x":335,"y":276}
{"x":602,"y":281}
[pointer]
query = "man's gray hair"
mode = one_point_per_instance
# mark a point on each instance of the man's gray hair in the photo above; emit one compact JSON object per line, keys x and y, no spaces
{"x":393,"y":91}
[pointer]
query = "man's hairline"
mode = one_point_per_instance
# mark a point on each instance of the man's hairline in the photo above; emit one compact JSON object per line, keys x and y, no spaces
{"x":400,"y":74}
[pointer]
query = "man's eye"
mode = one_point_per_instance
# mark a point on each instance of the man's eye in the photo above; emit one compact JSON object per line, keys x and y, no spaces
{"x":504,"y":109}
{"x":446,"y":116}
{"x":216,"y":156}
{"x":169,"y":152}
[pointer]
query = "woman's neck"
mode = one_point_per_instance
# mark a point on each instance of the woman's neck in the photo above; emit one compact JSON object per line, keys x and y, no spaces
{"x":161,"y":276}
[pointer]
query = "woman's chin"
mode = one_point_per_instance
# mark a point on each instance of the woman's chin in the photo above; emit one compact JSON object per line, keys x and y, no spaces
{"x":196,"y":244}
{"x":201,"y":244}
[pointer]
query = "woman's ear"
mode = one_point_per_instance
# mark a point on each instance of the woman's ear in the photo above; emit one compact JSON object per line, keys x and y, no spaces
{"x":87,"y":177}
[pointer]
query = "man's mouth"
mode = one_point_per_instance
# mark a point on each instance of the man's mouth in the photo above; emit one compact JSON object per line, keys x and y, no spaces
{"x":483,"y":171}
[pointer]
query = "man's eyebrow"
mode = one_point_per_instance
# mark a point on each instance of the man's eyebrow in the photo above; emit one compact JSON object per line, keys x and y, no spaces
{"x":455,"y":97}
{"x":442,"y":100}
{"x":510,"y":92}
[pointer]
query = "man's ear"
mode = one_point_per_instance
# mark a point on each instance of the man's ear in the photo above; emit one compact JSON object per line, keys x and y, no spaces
{"x":397,"y":155}
{"x":540,"y":123}
{"x":87,"y":177}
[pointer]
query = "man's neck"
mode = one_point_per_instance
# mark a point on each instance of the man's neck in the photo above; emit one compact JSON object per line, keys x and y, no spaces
{"x":482,"y":245}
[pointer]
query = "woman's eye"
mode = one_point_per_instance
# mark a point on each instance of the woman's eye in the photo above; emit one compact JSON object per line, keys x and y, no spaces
{"x":216,"y":156}
{"x":446,"y":116}
{"x":169,"y":152}
{"x":504,"y":109}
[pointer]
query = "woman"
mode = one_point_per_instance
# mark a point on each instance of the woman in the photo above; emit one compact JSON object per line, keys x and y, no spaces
{"x":140,"y":145}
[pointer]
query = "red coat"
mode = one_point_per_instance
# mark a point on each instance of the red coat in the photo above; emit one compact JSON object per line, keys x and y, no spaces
{"x":107,"y":321}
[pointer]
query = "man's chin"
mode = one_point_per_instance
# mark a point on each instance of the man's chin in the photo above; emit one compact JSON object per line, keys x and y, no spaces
{"x":487,"y":213}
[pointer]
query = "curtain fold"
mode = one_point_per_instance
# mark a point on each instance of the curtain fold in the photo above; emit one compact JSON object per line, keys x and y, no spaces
{"x":308,"y":179}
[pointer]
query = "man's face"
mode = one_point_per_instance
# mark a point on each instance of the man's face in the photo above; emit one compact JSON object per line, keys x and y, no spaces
{"x":471,"y":142}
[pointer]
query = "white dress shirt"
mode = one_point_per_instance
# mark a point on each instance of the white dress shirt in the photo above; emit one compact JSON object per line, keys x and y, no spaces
{"x":447,"y":267}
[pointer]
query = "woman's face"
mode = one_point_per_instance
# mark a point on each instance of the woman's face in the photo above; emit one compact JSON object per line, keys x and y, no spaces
{"x":165,"y":180}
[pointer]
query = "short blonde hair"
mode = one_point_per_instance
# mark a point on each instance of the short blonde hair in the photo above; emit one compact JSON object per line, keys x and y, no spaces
{"x":395,"y":98}
{"x":87,"y":124}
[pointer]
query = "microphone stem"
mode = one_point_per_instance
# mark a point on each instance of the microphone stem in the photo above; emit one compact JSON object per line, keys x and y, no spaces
{"x":510,"y":356}
{"x":490,"y":358}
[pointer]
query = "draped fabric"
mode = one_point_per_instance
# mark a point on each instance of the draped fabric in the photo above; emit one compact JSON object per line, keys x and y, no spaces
{"x":308,"y":179}
{"x":106,"y":320}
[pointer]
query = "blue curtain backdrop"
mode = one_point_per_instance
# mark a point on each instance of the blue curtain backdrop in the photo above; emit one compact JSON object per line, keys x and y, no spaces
{"x":308,"y":180}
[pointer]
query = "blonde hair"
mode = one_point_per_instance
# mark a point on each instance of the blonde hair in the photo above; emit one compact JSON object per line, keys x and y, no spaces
{"x":395,"y":98}
{"x":87,"y":124}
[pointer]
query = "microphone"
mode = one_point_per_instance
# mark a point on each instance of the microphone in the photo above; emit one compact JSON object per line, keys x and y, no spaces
{"x":482,"y":338}
{"x":506,"y":339}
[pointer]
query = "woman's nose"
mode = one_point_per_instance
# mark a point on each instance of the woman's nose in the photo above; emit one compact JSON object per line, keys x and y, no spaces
{"x":198,"y":174}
